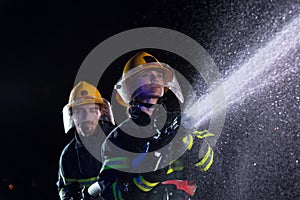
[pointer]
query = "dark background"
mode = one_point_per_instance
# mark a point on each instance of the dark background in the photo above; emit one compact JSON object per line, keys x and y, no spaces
{"x":43,"y":44}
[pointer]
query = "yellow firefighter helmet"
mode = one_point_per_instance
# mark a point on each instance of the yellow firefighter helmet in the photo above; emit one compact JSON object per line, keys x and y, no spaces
{"x":127,"y":86}
{"x":85,"y":93}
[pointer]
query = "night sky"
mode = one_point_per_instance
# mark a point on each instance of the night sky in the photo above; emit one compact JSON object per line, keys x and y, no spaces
{"x":44,"y":43}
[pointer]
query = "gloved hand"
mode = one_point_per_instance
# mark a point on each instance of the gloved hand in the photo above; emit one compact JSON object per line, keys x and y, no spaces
{"x":86,"y":195}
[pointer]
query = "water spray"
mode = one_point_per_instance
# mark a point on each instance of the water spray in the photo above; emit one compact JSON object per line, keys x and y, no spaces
{"x":249,"y":78}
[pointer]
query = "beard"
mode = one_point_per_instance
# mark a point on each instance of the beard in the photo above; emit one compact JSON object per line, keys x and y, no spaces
{"x":87,"y":128}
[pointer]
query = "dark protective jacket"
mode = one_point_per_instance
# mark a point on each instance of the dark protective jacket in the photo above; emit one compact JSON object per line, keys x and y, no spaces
{"x":154,"y":172}
{"x":77,"y":166}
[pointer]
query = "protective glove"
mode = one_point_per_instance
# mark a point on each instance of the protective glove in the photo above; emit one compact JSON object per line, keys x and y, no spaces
{"x":87,"y":196}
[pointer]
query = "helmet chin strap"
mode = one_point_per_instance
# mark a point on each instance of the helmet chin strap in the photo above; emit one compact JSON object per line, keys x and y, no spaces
{"x":138,"y":102}
{"x":147,"y":105}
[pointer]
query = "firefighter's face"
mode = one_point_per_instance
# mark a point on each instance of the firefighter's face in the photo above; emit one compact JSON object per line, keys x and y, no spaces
{"x":86,"y":118}
{"x":151,"y":82}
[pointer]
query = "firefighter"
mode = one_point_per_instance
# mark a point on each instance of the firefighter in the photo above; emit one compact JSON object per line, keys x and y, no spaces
{"x":84,"y":115}
{"x":147,"y":156}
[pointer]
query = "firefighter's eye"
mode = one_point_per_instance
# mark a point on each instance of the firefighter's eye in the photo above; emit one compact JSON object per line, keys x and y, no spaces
{"x":144,"y":74}
{"x":93,"y":110}
{"x":159,"y":75}
{"x":77,"y":111}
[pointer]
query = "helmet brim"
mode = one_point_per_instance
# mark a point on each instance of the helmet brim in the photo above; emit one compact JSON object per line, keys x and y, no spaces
{"x":168,"y":75}
{"x":87,"y":101}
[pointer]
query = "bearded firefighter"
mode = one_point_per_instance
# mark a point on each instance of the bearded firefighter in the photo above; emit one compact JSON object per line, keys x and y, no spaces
{"x":89,"y":117}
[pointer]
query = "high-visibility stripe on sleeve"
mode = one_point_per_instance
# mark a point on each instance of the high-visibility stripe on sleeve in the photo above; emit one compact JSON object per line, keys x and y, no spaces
{"x":209,"y":163}
{"x":144,"y":185}
{"x":175,"y":165}
{"x":148,"y":183}
{"x":190,"y":140}
{"x":206,"y":162}
{"x":61,"y":192}
{"x":116,"y":163}
{"x":82,"y":182}
{"x":171,"y":170}
{"x":116,"y":191}
{"x":203,"y":134}
{"x":106,"y":167}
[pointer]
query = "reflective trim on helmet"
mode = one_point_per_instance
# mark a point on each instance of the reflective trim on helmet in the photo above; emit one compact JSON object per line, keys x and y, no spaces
{"x":144,"y":185}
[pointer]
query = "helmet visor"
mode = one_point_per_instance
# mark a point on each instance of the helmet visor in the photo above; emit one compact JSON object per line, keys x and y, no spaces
{"x":150,"y":79}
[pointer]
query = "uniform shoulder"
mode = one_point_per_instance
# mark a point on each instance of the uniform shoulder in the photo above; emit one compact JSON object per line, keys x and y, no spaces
{"x":68,"y":150}
{"x":118,"y":130}
{"x":107,"y":127}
